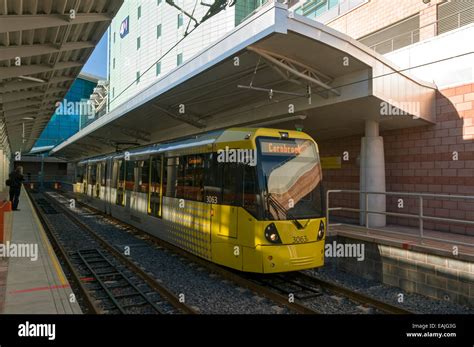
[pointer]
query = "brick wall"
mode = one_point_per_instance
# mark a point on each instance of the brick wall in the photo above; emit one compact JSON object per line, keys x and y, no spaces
{"x":419,"y":160}
{"x":378,"y":14}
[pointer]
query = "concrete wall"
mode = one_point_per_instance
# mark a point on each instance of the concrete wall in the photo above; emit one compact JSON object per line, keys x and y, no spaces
{"x":435,"y":276}
{"x":431,"y":60}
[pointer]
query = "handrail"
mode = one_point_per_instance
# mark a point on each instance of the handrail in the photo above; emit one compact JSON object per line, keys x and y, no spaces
{"x":420,"y":216}
{"x":411,"y":32}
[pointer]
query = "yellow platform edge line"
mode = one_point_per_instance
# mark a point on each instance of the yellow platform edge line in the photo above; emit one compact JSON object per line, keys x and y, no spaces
{"x":47,"y":244}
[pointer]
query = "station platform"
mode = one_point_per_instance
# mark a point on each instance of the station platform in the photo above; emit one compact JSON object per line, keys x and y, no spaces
{"x":409,"y":238}
{"x":33,"y":283}
{"x":397,"y":256}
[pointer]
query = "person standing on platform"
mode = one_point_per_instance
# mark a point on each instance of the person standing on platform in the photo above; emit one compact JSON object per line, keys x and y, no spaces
{"x":16,"y":179}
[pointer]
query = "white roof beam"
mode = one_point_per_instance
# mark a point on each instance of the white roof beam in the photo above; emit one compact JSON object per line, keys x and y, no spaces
{"x":20,"y":111}
{"x":15,"y":84}
{"x":15,"y":71}
{"x":11,"y":23}
{"x":34,"y":50}
{"x":19,"y":96}
{"x":9,"y":106}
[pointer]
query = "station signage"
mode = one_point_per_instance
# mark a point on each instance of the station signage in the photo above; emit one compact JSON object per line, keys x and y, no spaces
{"x":125,"y":27}
{"x":283,"y":147}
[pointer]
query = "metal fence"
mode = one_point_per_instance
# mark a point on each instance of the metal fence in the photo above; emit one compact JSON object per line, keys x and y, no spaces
{"x":440,"y":26}
{"x":420,"y":216}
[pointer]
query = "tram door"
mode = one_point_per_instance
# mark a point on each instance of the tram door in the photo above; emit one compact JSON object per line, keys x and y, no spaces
{"x":226,"y":197}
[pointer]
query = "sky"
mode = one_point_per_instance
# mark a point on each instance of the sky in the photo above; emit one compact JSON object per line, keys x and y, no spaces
{"x":97,"y":63}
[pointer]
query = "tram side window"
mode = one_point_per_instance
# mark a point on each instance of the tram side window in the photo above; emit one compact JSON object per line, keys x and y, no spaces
{"x":250,"y":192}
{"x":129,"y":175}
{"x":212,"y":181}
{"x":191,"y":183}
{"x":184,"y":177}
{"x":92,"y":174}
{"x":119,"y":181}
{"x":87,"y":175}
{"x":103,"y":169}
{"x":170,"y":178}
{"x":96,"y":187}
{"x":79,"y":174}
{"x":196,"y":169}
{"x":232,"y":184}
{"x":115,"y":174}
{"x":181,"y":179}
{"x":155,"y":181}
{"x":142,"y":175}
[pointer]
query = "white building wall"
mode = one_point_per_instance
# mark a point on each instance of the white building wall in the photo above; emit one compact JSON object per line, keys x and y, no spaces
{"x":129,"y":60}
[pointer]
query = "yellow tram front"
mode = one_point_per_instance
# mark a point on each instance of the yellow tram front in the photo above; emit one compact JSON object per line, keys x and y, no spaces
{"x":280,"y":224}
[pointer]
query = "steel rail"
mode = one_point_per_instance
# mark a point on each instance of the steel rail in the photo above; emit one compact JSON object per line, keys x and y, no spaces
{"x":89,"y":302}
{"x":214,"y":268}
{"x":162,"y":290}
{"x":356,"y":296}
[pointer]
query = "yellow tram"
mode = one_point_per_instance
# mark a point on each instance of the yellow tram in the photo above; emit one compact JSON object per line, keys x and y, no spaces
{"x":249,"y":199}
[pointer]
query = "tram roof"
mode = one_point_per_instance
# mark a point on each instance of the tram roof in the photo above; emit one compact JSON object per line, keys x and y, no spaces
{"x":226,"y":136}
{"x":349,"y":82}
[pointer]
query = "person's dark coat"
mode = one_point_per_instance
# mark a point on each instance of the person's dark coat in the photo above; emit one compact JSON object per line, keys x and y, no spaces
{"x":16,"y":180}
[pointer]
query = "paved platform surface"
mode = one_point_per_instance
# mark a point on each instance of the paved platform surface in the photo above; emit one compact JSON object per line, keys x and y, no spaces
{"x":407,"y":237}
{"x":34,"y":286}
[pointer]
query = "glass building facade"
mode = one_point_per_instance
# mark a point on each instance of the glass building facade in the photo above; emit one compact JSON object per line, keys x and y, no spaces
{"x":315,"y":8}
{"x":243,"y":8}
{"x":326,"y":10}
{"x":65,"y":124}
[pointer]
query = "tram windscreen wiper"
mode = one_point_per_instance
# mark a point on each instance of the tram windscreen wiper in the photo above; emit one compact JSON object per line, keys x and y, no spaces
{"x":270,"y":200}
{"x":278,"y":207}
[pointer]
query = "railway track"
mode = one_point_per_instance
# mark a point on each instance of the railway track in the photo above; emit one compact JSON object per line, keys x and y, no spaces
{"x":293,"y":290}
{"x":108,"y":281}
{"x":308,"y":289}
{"x":363,"y":299}
{"x":211,"y":267}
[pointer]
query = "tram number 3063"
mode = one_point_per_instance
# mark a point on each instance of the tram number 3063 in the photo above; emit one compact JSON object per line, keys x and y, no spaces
{"x":211,"y":199}
{"x":300,"y":239}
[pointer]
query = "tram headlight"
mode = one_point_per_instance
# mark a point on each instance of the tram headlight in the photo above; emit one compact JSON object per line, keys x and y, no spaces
{"x":321,"y":230}
{"x":271,"y":233}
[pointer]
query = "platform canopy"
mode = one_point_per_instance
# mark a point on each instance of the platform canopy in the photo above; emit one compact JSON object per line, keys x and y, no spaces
{"x":275,"y":69}
{"x":43,"y":46}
